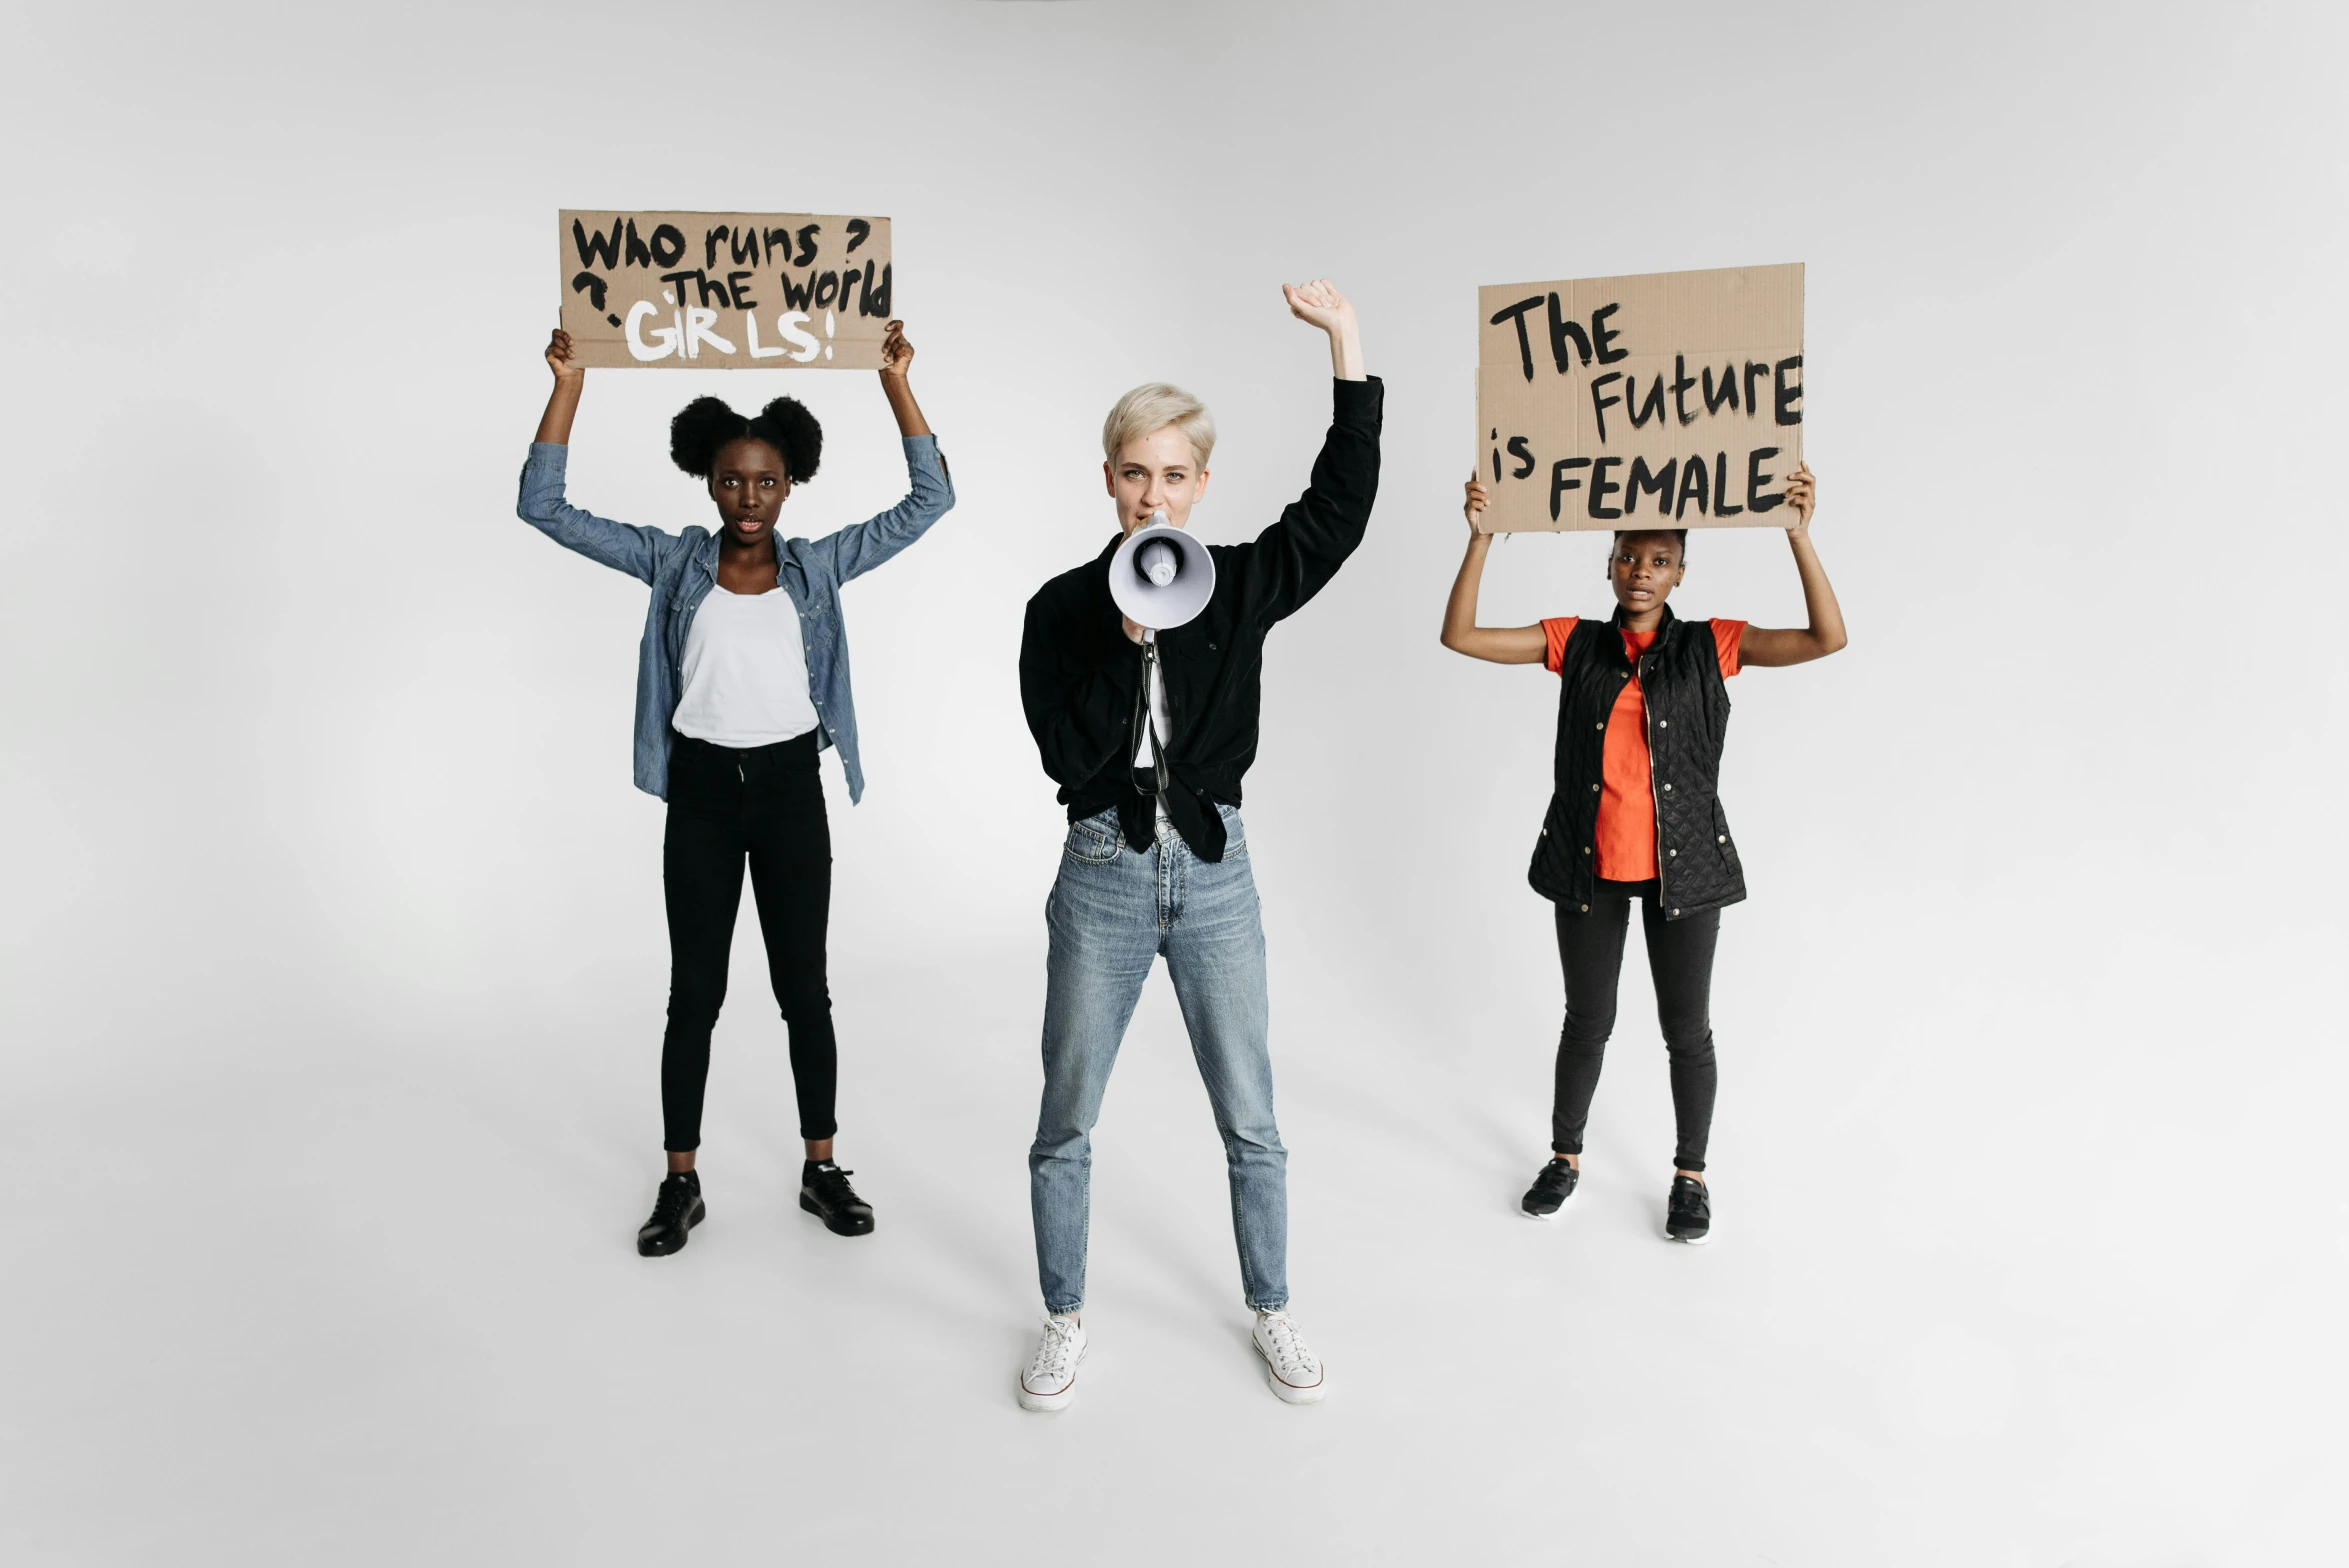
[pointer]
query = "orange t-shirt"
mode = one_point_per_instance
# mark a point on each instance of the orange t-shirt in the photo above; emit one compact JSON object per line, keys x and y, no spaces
{"x":1626,"y":834}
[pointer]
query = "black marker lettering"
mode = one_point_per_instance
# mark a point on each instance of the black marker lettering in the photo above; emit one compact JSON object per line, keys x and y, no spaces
{"x":1721,"y":506}
{"x":848,"y":283}
{"x":1517,"y":312}
{"x":597,"y":250}
{"x":668,"y":245}
{"x":1728,"y":393}
{"x":1653,"y":403}
{"x":745,"y":247}
{"x":1680,"y":385}
{"x":1602,"y":487}
{"x":1693,"y":479}
{"x":778,"y":246}
{"x":877,"y":299}
{"x":1560,"y":484}
{"x":1524,"y":455}
{"x":795,"y":298}
{"x":741,"y":290}
{"x":1601,"y":335}
{"x":807,"y":244}
{"x":1755,"y":370}
{"x":592,"y":286}
{"x":1657,"y":482}
{"x":858,"y":231}
{"x":1598,"y":404}
{"x":709,"y":246}
{"x":676,"y":282}
{"x":1789,"y":395}
{"x":827,"y":289}
{"x":638,"y":256}
{"x":1560,"y":330}
{"x":1754,"y":480}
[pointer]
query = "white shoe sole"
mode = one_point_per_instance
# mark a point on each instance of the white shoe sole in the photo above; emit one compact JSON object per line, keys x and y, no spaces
{"x":1554,"y":1213}
{"x":1689,"y":1241}
{"x":1046,"y":1404}
{"x":1287,"y":1393}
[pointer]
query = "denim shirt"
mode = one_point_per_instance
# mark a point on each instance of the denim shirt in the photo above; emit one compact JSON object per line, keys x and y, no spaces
{"x":681,"y":569}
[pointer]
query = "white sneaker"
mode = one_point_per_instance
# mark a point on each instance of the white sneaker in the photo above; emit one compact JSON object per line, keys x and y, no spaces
{"x":1051,"y":1379}
{"x":1291,"y":1368}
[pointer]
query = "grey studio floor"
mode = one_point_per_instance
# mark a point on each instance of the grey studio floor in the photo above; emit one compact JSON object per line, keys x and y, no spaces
{"x":331,"y":957}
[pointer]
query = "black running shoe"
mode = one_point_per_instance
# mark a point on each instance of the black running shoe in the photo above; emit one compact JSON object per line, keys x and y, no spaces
{"x":676,"y":1210}
{"x":824,"y":1192}
{"x":1688,"y":1212}
{"x":1551,"y":1191}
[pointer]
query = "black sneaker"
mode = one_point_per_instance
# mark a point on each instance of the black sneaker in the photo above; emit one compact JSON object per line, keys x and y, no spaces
{"x":1688,"y":1212}
{"x":824,"y":1192}
{"x":676,"y":1210}
{"x":1551,"y":1191}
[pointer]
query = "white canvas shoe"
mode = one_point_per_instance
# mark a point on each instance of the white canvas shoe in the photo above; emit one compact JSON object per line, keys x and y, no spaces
{"x":1051,"y":1379}
{"x":1291,"y":1368}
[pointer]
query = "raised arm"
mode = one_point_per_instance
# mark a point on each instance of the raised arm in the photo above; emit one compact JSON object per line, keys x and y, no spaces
{"x":858,"y":548}
{"x":1825,"y":635}
{"x":636,"y":551}
{"x":1291,"y":561}
{"x":1493,"y":644}
{"x":554,"y":426}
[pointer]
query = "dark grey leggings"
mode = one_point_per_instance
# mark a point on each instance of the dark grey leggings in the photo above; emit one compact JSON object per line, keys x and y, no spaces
{"x":1680,"y":960}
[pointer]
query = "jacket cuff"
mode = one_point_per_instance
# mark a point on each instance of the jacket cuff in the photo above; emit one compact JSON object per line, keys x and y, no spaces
{"x":549,"y":456}
{"x":1359,"y":402}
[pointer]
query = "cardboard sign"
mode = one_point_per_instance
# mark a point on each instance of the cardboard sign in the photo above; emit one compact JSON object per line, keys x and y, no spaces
{"x":725,"y":290}
{"x":1672,"y":399}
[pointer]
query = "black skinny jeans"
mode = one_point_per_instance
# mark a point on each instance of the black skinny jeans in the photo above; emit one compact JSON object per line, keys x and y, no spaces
{"x":1680,"y":959}
{"x":763,"y":806}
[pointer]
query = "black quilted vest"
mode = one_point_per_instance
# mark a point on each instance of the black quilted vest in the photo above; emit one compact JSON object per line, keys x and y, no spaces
{"x":1688,"y":715}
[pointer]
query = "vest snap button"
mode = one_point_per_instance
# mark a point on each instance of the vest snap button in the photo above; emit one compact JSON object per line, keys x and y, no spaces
{"x":1594,"y":789}
{"x":1663,"y":724}
{"x":1598,"y":726}
{"x":1545,"y":832}
{"x":1675,"y":853}
{"x":1667,"y":787}
{"x":1676,"y":912}
{"x":1723,"y":839}
{"x":1586,"y":849}
{"x":1586,"y":909}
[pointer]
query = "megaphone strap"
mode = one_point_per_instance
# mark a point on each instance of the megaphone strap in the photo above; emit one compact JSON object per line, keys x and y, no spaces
{"x":1142,"y":725}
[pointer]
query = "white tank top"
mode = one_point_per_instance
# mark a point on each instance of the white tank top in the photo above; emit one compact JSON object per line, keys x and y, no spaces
{"x":745,"y":671}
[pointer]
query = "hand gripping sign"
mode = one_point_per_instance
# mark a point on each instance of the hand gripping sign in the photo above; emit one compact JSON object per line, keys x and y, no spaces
{"x":725,"y":290}
{"x":1667,"y":400}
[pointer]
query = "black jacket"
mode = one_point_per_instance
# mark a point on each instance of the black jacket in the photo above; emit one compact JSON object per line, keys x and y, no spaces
{"x":1079,"y":675}
{"x":1688,"y":717}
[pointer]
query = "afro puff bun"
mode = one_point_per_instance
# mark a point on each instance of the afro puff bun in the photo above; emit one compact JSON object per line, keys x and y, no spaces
{"x":704,"y":426}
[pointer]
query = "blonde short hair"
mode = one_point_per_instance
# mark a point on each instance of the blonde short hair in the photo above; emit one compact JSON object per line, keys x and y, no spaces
{"x":1151,"y":408}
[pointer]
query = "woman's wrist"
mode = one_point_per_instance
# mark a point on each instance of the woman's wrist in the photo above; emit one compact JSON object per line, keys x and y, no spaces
{"x":1345,"y":354}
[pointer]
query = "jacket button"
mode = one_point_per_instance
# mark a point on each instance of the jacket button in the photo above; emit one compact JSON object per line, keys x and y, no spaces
{"x":1667,"y":789}
{"x":1594,"y":789}
{"x":1599,"y":726}
{"x":1545,"y":832}
{"x":1663,"y":724}
{"x":1586,"y":849}
{"x":1674,"y":853}
{"x":1586,"y":909}
{"x":1723,"y":839}
{"x":1676,"y":912}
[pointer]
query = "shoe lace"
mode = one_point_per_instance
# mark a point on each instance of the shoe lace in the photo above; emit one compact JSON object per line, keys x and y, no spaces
{"x":1288,"y":1345}
{"x":670,"y":1204}
{"x":1055,"y":1352}
{"x":834,"y":1183}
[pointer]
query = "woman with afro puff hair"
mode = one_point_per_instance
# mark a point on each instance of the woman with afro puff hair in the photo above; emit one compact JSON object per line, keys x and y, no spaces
{"x":742,"y":678}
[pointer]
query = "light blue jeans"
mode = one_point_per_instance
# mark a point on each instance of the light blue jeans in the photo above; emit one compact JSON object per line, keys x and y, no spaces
{"x":1113,"y":910}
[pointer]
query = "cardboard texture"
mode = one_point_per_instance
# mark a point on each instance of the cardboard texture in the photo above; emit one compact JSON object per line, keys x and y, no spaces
{"x":1672,"y":399}
{"x":725,"y":290}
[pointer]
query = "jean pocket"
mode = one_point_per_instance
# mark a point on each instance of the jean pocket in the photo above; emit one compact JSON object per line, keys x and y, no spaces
{"x":1089,"y":843}
{"x":1235,"y":832}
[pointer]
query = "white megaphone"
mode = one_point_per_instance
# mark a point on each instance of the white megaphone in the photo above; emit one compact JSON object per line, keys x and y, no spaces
{"x":1161,"y":576}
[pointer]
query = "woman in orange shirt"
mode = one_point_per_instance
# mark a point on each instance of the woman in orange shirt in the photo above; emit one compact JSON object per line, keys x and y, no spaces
{"x":1642,"y":712}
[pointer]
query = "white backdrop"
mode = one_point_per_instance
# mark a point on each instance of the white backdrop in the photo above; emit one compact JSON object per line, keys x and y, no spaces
{"x":333,"y":955}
